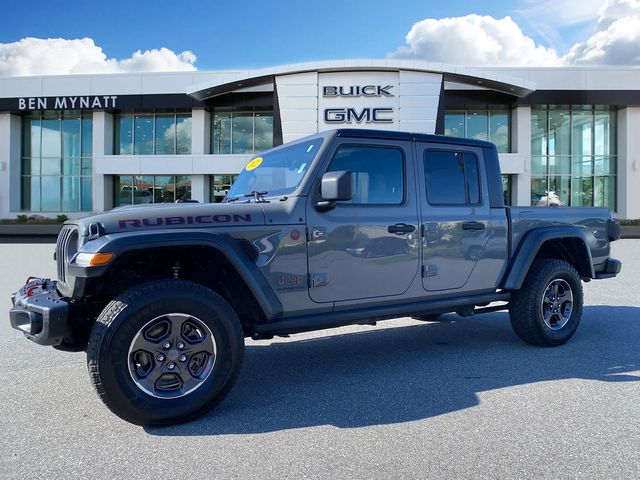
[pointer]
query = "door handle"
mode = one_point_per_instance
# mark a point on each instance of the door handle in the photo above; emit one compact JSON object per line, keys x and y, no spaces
{"x":473,"y":226}
{"x":400,"y":228}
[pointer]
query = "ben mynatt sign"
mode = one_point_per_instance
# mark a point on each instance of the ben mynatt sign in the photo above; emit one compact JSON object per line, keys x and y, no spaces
{"x":98,"y":102}
{"x":68,"y":103}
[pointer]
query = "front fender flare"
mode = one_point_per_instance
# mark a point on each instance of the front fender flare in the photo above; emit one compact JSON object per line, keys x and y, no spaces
{"x":120,"y":243}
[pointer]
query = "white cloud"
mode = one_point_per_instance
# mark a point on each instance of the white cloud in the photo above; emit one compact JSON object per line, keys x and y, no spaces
{"x":613,"y":10}
{"x":561,"y":12}
{"x":618,"y":44}
{"x":616,"y":39}
{"x":485,"y":40}
{"x":474,"y":40}
{"x":50,"y":56}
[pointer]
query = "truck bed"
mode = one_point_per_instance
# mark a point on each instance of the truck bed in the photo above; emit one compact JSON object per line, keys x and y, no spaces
{"x":592,"y":220}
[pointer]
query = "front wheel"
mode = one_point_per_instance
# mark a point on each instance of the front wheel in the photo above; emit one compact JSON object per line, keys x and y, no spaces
{"x":547,"y":309}
{"x":165,"y":352}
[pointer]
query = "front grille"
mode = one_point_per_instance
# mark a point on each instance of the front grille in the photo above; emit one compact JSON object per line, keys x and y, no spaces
{"x":66,"y":247}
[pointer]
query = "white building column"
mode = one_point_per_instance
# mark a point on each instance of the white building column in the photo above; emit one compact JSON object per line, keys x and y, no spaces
{"x":200,"y":131}
{"x":521,"y":144}
{"x":628,"y":196}
{"x":102,"y":145}
{"x":10,"y":185}
{"x":200,"y":188}
{"x":200,"y":145}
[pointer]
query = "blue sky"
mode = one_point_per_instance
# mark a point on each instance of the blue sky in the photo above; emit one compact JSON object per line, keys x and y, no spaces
{"x":72,"y":37}
{"x":259,"y":33}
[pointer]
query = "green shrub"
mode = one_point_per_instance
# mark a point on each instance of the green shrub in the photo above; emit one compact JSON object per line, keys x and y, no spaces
{"x":61,"y":218}
{"x":22,"y":218}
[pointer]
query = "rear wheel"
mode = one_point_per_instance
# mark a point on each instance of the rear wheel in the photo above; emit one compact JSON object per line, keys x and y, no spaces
{"x":547,"y":309}
{"x":165,"y":352}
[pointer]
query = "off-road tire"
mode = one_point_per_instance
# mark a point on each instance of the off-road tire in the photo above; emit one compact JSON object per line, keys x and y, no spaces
{"x":525,"y":311}
{"x":112,"y":334}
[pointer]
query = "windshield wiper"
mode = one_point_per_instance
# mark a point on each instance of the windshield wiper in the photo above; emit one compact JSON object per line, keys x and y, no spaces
{"x":258,"y":196}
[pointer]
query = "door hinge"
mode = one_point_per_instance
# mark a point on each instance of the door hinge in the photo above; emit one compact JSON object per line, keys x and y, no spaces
{"x":318,"y":233}
{"x":318,"y":279}
{"x":429,"y":270}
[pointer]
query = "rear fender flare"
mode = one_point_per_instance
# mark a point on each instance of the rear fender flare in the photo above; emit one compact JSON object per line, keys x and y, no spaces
{"x":532,"y":243}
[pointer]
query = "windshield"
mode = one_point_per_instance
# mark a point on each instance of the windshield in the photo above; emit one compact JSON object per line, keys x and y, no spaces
{"x":277,"y":172}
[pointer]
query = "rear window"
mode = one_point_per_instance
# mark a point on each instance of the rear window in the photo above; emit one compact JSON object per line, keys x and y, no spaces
{"x":452,"y":178}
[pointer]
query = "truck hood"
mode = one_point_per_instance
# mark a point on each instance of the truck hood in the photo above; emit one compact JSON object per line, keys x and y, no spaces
{"x":166,"y":216}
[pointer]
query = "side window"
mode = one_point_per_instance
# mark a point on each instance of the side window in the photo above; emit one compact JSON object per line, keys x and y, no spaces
{"x":378,"y":173}
{"x":452,"y":178}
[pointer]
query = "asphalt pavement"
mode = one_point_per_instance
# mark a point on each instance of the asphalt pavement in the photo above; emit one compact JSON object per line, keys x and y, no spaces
{"x":464,"y":398}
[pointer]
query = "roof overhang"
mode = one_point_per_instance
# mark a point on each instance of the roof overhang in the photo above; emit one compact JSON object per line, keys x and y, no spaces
{"x":467,"y":75}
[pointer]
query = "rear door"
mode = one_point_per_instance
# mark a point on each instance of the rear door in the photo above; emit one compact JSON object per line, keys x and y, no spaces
{"x":456,"y":216}
{"x":366,"y":247}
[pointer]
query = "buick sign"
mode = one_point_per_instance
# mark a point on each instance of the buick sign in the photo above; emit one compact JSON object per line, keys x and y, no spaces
{"x":358,"y":91}
{"x":352,"y":115}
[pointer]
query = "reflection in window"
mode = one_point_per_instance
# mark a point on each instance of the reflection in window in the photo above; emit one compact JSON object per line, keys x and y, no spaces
{"x":573,"y":156}
{"x":507,"y":188}
{"x":220,"y":185}
{"x":144,"y":189}
{"x":241,"y":132}
{"x":56,"y":165}
{"x":165,"y":135}
{"x":492,"y":125}
{"x":452,"y":178}
{"x":377,"y":173}
{"x":152,"y":134}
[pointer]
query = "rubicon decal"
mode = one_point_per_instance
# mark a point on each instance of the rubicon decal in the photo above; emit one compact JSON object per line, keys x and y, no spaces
{"x":189,"y":220}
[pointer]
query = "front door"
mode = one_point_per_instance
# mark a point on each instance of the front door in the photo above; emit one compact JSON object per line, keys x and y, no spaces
{"x":456,"y":216}
{"x":366,"y":247}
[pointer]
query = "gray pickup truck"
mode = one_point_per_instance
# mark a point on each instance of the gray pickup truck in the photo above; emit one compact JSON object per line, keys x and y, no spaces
{"x":343,"y":227}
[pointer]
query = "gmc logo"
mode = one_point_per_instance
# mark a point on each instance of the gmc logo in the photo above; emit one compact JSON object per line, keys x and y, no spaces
{"x":351,"y":115}
{"x":357,"y":91}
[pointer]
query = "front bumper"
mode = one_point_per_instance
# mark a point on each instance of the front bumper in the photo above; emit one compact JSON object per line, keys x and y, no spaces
{"x":611,"y":268}
{"x":40,"y":312}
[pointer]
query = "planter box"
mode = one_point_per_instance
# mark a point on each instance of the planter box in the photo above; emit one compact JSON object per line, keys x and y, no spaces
{"x":20,"y":230}
{"x":630,"y":231}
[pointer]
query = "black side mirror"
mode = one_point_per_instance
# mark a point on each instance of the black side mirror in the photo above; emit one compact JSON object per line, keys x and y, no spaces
{"x":335,"y":186}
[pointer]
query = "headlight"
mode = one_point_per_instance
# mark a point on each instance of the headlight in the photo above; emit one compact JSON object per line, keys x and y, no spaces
{"x":92,"y":259}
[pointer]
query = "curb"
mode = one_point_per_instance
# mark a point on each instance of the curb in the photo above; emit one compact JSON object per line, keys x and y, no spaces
{"x":630,"y":231}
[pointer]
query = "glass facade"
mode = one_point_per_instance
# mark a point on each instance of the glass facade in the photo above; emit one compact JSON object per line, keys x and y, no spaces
{"x":152,"y":134}
{"x":57,"y":162}
{"x":220,"y":185}
{"x":241,"y":132}
{"x":492,"y":124}
{"x":140,"y":189}
{"x":573,"y":156}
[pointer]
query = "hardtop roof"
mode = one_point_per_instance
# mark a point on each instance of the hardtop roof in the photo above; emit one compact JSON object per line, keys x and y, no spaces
{"x":411,"y":137}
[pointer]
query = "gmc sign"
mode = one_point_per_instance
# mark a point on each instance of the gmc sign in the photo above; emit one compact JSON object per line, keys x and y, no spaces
{"x":352,"y":115}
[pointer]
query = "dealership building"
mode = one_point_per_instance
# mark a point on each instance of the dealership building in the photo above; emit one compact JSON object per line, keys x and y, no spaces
{"x":84,"y":143}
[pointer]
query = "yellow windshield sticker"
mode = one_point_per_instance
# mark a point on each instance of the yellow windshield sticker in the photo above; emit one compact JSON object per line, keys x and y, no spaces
{"x":253,"y":164}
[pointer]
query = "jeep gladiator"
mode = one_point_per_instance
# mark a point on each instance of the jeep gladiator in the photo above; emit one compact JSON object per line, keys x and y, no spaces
{"x":343,"y":227}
